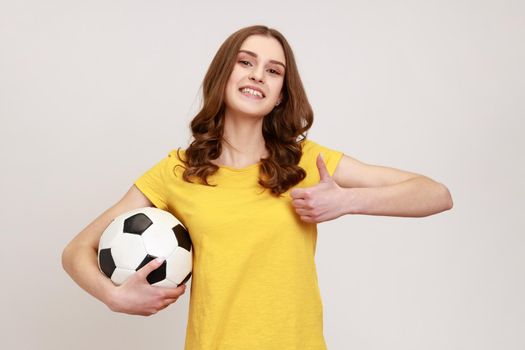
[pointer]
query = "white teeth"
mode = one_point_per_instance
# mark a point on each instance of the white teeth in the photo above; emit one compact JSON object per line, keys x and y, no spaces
{"x":253,"y":92}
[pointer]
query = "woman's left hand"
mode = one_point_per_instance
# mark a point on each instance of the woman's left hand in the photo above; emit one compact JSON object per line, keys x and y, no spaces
{"x":322,"y":202}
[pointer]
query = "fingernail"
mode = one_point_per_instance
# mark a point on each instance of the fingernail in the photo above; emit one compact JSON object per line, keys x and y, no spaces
{"x":159,"y":259}
{"x":322,"y":157}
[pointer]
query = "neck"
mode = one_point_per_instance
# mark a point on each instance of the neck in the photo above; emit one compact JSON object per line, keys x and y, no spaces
{"x":243,"y":143}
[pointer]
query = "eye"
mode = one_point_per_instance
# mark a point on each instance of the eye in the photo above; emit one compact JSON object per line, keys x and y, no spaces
{"x":272,"y":71}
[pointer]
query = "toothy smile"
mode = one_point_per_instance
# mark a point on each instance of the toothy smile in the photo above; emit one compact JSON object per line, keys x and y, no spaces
{"x":252,"y":92}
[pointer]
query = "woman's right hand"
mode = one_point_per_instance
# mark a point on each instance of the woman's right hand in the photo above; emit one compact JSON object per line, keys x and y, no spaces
{"x":137,"y":297}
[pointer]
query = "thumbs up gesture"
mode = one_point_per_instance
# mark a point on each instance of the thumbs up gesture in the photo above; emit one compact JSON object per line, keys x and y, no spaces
{"x":321,"y":202}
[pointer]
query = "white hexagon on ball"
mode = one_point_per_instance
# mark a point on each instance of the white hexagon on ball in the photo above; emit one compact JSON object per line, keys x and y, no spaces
{"x":128,"y":251}
{"x":158,"y":241}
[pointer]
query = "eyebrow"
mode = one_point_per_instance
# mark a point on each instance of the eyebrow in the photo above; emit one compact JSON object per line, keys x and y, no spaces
{"x":255,"y":55}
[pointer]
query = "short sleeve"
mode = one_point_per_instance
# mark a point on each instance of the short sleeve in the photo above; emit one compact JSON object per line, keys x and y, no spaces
{"x":310,"y":151}
{"x":153,"y":182}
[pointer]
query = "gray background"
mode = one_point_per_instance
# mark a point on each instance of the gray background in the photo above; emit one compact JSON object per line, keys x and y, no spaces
{"x":93,"y":93}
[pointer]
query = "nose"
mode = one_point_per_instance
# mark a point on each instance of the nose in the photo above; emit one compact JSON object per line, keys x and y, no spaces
{"x":257,"y":74}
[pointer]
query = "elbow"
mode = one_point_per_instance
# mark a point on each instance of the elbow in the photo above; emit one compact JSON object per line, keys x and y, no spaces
{"x":447,"y":201}
{"x":441,"y":201}
{"x":66,"y":258}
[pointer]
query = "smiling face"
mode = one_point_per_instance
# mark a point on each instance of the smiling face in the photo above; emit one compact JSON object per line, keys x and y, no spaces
{"x":260,"y":63}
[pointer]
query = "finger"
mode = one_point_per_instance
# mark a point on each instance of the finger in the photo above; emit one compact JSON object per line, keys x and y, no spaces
{"x":169,"y":301}
{"x":164,"y":304}
{"x":296,"y":193}
{"x":302,"y":212}
{"x":321,"y":166}
{"x":174,"y":292}
{"x":307,"y":218}
{"x":154,"y":264}
{"x":299,"y":203}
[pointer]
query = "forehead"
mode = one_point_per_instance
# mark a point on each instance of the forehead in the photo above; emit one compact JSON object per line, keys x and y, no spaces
{"x":266,"y":48}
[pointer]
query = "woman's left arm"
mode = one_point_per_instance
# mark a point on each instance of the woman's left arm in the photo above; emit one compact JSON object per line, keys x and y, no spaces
{"x":360,"y":188}
{"x":378,"y":190}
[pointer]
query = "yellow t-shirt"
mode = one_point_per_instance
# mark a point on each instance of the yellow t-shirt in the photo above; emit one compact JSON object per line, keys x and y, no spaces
{"x":254,"y":280}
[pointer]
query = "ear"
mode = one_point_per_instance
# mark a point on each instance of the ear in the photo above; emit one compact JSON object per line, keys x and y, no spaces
{"x":277,"y":103}
{"x":280,"y":99}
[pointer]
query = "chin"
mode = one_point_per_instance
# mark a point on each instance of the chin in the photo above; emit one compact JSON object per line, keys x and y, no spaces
{"x":257,"y":111}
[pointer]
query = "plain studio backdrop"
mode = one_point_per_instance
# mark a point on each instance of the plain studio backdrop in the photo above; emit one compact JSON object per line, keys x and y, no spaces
{"x":94,"y":93}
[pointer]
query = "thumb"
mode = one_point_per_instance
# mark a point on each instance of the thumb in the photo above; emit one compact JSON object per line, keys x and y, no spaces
{"x":150,"y":266}
{"x":321,"y":166}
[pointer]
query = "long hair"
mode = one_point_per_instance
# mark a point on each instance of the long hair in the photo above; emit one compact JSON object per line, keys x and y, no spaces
{"x":284,"y":128}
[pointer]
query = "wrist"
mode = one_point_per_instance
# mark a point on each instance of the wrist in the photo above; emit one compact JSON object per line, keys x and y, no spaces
{"x":110,"y":297}
{"x":352,"y":200}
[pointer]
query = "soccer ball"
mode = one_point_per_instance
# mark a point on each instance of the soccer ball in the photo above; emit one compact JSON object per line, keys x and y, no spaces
{"x":138,"y":236}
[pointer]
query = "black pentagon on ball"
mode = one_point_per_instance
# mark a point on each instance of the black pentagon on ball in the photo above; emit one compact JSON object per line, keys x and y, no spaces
{"x":107,"y":264}
{"x":137,"y":224}
{"x":183,"y":237}
{"x":156,"y":275}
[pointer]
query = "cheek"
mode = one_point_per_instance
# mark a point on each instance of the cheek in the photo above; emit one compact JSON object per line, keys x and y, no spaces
{"x":276,"y":89}
{"x":236,"y":74}
{"x":231,"y":85}
{"x":233,"y":80}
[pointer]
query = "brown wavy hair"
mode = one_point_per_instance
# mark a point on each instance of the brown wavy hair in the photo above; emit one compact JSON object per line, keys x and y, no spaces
{"x":284,"y":128}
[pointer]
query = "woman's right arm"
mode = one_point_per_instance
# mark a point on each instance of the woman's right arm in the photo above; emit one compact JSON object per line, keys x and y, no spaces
{"x":135,"y":296}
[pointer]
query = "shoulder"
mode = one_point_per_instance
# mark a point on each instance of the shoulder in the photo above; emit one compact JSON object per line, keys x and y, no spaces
{"x":305,"y":144}
{"x":311,"y":149}
{"x":176,"y":154}
{"x":168,"y":163}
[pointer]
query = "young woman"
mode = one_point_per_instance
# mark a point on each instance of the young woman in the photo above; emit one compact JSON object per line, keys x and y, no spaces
{"x":250,"y":189}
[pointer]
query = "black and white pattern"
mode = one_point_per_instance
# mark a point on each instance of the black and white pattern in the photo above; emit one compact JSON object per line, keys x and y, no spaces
{"x":135,"y":238}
